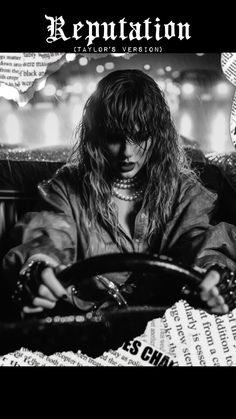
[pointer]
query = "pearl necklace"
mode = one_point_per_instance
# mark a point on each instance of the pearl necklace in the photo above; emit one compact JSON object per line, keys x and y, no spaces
{"x":127,"y":183}
{"x":121,"y":185}
{"x":132,"y":197}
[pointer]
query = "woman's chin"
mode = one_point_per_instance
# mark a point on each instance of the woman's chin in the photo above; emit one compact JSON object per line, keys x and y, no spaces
{"x":129,"y":174}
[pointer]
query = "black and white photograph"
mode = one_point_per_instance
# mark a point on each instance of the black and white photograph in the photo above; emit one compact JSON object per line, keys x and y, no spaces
{"x":117,"y":198}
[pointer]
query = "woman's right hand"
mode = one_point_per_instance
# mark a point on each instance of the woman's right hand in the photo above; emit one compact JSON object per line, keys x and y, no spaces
{"x":50,"y":291}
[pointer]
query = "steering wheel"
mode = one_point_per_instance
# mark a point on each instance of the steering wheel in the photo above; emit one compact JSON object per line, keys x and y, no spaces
{"x":155,"y":284}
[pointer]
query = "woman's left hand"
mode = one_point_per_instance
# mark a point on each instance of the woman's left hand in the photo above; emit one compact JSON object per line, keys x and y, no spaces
{"x":210,"y":294}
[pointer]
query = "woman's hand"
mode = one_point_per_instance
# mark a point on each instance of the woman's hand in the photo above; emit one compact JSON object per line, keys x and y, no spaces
{"x":211,"y":295}
{"x":50,"y":291}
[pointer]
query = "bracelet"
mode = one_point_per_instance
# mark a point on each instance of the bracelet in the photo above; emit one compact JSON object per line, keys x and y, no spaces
{"x":112,"y":290}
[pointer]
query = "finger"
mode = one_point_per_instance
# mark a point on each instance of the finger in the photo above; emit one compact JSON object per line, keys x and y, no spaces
{"x":42,"y":302}
{"x":211,"y":279}
{"x":32,"y":310}
{"x":45,"y":292}
{"x":49,"y":279}
{"x":216,"y":301}
{"x":222,"y":309}
{"x":213,"y":293}
{"x":76,"y":301}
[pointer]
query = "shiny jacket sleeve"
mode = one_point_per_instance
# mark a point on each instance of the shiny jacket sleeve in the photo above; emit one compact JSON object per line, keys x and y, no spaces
{"x":51,"y":231}
{"x":192,"y":237}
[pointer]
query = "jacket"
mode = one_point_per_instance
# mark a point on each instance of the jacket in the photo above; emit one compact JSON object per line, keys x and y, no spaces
{"x":61,"y":230}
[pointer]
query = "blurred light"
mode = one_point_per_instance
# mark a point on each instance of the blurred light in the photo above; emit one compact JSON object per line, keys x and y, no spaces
{"x":9,"y":92}
{"x":77,"y":87}
{"x":219,"y":132}
{"x":222,"y":88}
{"x":51,"y":129}
{"x":160,"y":71}
{"x":176,"y":74}
{"x":41,"y":84}
{"x":69,"y":88}
{"x":168,"y":68}
{"x":13,"y":129}
{"x":76,"y":114}
{"x":117,"y":54}
{"x":207,"y":97}
{"x":91,"y":87}
{"x":188,"y":88}
{"x":146,"y":66}
{"x":172,"y":88}
{"x":186,"y":125}
{"x":59,"y":92}
{"x":99,"y":68}
{"x":83,"y":61}
{"x":22,"y":103}
{"x":70,"y":57}
{"x":49,"y":90}
{"x":109,"y":66}
{"x":200,"y":54}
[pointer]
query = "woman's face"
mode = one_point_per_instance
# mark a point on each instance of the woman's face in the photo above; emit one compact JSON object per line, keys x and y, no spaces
{"x":126,"y":157}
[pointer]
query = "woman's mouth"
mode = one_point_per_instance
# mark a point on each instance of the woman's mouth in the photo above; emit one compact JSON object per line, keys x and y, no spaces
{"x":126,"y":167}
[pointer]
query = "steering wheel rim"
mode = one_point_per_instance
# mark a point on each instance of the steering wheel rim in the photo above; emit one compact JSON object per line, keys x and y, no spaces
{"x":118,"y":262}
{"x":162,"y":272}
{"x":51,"y":335}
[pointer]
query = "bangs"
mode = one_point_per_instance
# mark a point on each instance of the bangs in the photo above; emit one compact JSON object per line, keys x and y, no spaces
{"x":128,"y":105}
{"x":127,"y":117}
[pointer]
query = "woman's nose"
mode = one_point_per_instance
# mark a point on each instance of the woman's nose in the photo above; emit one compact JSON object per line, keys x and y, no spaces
{"x":128,"y":149}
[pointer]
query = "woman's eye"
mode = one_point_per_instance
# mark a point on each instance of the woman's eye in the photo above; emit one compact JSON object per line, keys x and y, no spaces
{"x":114,"y":140}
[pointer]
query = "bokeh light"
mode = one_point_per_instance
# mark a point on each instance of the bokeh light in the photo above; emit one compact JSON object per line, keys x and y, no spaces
{"x":70,"y":57}
{"x":188,"y":89}
{"x":83,"y":61}
{"x":199,"y":96}
{"x":49,"y":90}
{"x":109,"y":66}
{"x":222,"y":89}
{"x":99,"y":68}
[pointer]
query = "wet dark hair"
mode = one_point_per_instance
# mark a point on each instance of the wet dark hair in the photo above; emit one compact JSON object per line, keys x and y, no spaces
{"x":130,"y":104}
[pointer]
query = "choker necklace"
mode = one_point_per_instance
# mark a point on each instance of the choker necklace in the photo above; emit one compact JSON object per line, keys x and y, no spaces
{"x":127,"y":183}
{"x":132,"y":197}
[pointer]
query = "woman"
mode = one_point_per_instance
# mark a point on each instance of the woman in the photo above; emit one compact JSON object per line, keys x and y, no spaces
{"x":127,"y":188}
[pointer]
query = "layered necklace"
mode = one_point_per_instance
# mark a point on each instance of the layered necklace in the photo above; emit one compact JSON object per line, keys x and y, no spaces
{"x":132,"y":183}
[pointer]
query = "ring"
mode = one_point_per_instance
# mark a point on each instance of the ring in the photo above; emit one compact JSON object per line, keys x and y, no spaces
{"x":28,"y":284}
{"x":226,"y":285}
